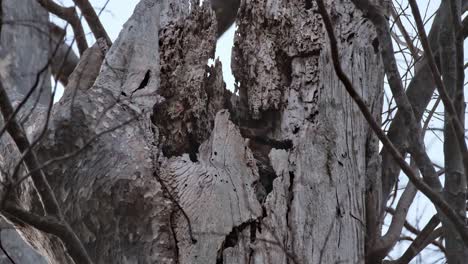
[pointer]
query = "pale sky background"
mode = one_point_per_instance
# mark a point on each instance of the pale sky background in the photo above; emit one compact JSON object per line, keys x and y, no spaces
{"x":118,"y":11}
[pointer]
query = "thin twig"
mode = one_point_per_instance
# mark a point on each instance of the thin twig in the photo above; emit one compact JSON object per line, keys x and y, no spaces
{"x":74,"y":246}
{"x":455,"y":123}
{"x":93,"y":20}
{"x":68,"y":14}
{"x":435,"y":198}
{"x":421,"y":241}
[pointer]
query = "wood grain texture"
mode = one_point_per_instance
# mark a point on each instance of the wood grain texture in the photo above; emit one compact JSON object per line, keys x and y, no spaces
{"x":132,"y":203}
{"x":282,"y":62}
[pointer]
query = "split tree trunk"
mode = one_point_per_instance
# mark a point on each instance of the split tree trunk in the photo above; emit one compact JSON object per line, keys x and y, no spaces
{"x":177,"y":169}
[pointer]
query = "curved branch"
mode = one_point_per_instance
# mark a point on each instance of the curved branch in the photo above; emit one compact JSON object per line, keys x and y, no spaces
{"x":454,"y":121}
{"x":39,"y":179}
{"x":50,"y":225}
{"x":93,"y":20}
{"x":435,"y":197}
{"x":386,"y":243}
{"x":419,"y":92}
{"x":68,"y":14}
{"x":411,"y":228}
{"x":415,"y":52}
{"x":65,"y":60}
{"x":425,"y":237}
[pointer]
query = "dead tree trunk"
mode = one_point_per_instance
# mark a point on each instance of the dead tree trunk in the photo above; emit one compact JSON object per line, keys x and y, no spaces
{"x":316,"y":210}
{"x":153,"y":161}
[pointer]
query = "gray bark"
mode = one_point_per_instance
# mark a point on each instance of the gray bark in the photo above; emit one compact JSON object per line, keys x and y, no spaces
{"x":316,"y":211}
{"x":455,"y":181}
{"x":24,"y":53}
{"x":19,"y":37}
{"x":277,"y":174}
{"x":419,"y":92}
{"x":64,"y":60}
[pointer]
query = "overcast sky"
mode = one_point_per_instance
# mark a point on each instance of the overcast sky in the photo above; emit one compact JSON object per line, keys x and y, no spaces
{"x":117,"y":13}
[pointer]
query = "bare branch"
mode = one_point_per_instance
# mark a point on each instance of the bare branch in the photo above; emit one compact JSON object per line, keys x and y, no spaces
{"x":76,"y":152}
{"x":429,"y":116}
{"x":68,"y":14}
{"x":41,"y":184}
{"x":415,"y":52}
{"x":448,"y":104}
{"x":65,"y":60}
{"x":32,"y":89}
{"x":386,"y":243}
{"x":19,"y":136}
{"x":50,"y":225}
{"x":93,"y":20}
{"x":411,"y":228}
{"x":419,"y":92}
{"x":426,"y":236}
{"x":420,"y":185}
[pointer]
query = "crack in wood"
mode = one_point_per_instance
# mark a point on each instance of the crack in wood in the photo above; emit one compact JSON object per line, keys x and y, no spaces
{"x":290,"y":197}
{"x":144,"y":82}
{"x":232,"y":239}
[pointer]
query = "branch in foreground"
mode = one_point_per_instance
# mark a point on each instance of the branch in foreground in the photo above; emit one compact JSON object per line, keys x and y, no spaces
{"x":19,"y":137}
{"x":419,"y":92}
{"x":435,"y":198}
{"x":73,"y":153}
{"x":448,"y":103}
{"x":415,"y":52}
{"x":411,"y":228}
{"x":417,"y":147}
{"x":426,"y":236}
{"x":50,"y":225}
{"x":30,"y":92}
{"x":41,"y":184}
{"x":388,"y":241}
{"x":416,"y":144}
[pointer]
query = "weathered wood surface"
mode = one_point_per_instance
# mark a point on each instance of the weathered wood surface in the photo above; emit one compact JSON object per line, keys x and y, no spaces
{"x":24,"y":51}
{"x":181,"y":182}
{"x":316,"y":211}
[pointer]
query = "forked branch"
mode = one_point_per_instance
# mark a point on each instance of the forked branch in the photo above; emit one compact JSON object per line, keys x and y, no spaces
{"x":74,"y":246}
{"x":68,"y":14}
{"x":93,"y":20}
{"x":435,"y":198}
